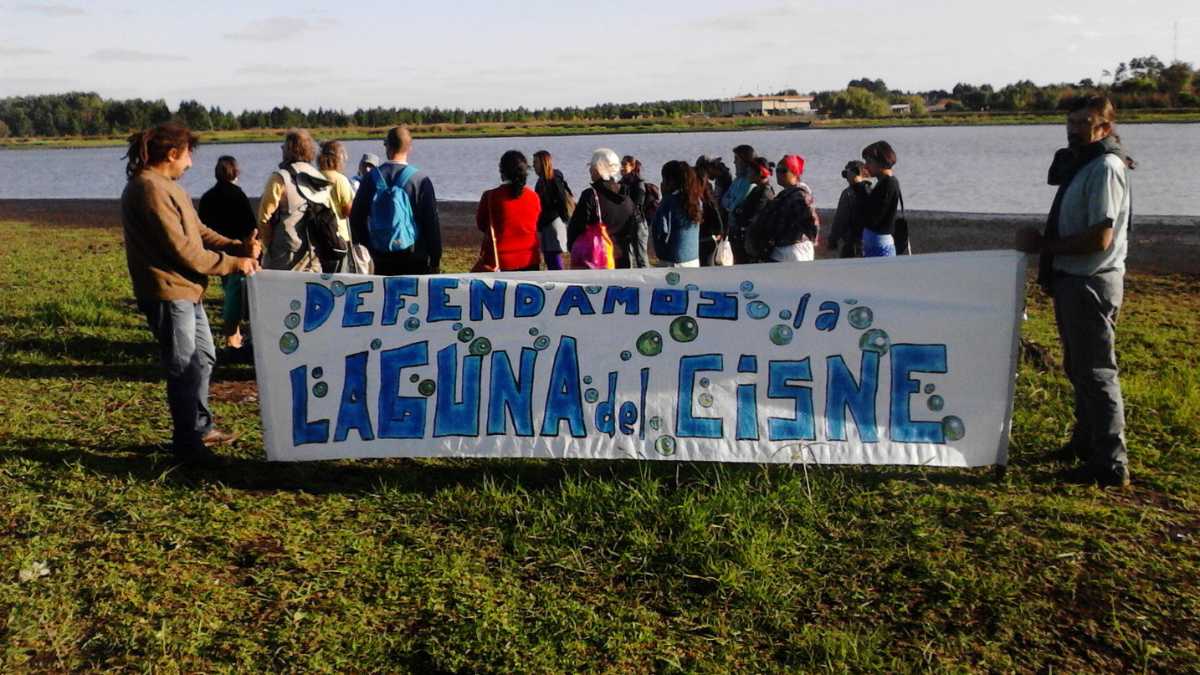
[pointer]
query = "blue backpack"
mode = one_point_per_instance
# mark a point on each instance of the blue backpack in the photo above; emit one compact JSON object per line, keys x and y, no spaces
{"x":390,"y":224}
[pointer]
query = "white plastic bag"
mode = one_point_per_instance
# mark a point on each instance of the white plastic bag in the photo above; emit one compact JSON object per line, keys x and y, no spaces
{"x":723,"y":254}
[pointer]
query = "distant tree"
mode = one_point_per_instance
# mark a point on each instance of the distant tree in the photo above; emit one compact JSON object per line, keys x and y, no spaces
{"x":194,"y":116}
{"x":874,"y":86}
{"x":4,"y":130}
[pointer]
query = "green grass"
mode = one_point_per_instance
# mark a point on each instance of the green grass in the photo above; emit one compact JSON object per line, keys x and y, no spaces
{"x":469,"y":566}
{"x":633,"y":126}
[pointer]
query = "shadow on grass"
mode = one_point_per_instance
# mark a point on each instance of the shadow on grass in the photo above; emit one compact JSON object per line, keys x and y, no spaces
{"x":132,"y":372}
{"x":154,"y":462}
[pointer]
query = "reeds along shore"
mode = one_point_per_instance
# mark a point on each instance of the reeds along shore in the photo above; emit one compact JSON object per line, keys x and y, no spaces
{"x":1159,"y":244}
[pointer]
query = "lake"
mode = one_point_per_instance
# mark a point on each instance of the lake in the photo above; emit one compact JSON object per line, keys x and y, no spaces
{"x":998,"y":169}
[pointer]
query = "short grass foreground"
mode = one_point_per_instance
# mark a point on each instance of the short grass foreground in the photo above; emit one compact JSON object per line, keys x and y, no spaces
{"x":114,"y":556}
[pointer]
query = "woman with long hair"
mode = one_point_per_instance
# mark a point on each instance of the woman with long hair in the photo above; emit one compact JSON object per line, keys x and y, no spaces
{"x":284,"y":202}
{"x":712,"y":225}
{"x":676,"y":228}
{"x":881,"y":203}
{"x":558,"y":203}
{"x":226,"y":209}
{"x":332,"y":164}
{"x":508,"y":217}
{"x":639,"y":191}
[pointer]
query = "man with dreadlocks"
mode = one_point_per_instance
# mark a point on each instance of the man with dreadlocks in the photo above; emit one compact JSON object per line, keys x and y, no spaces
{"x":1083,"y":269}
{"x":170,"y":255}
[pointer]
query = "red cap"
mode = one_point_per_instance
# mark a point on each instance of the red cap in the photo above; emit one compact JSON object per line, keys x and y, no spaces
{"x":794,"y":164}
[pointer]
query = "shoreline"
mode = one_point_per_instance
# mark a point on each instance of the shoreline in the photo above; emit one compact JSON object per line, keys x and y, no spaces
{"x":606,"y":128}
{"x":1159,"y":244}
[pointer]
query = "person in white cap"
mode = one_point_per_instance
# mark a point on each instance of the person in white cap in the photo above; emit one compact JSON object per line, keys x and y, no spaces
{"x":369,"y":161}
{"x":616,"y":209}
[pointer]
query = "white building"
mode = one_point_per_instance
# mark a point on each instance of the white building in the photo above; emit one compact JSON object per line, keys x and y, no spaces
{"x":767,"y":105}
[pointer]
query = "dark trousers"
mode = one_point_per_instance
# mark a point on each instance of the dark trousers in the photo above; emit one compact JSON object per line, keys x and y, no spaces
{"x":186,"y":350}
{"x":1086,"y":309}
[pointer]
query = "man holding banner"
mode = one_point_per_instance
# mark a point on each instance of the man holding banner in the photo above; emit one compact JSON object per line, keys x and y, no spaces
{"x":1083,"y":267}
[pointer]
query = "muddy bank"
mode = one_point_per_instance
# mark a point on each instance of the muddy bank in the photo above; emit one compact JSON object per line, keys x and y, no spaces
{"x":1160,"y":244}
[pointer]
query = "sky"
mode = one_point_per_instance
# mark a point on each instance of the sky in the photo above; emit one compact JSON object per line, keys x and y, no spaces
{"x":543,"y":53}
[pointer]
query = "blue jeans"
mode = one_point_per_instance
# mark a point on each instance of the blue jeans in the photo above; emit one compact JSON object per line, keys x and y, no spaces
{"x":878,"y":245}
{"x":186,"y":348}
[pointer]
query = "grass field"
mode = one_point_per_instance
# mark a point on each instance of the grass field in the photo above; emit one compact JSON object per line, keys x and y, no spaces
{"x":632,"y":126}
{"x":115,"y":557}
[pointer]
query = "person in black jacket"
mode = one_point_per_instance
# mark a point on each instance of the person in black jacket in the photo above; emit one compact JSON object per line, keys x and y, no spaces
{"x":634,"y":187}
{"x":745,"y":212}
{"x":226,"y":210}
{"x":620,"y":218}
{"x":846,"y":233}
{"x":712,"y":226}
{"x":557,"y":207}
{"x":881,"y":203}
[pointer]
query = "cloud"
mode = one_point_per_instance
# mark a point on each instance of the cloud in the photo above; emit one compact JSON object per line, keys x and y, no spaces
{"x":51,"y":9}
{"x":15,"y":51}
{"x":278,"y":70}
{"x":273,"y":29}
{"x":1066,"y":19}
{"x":115,"y":55}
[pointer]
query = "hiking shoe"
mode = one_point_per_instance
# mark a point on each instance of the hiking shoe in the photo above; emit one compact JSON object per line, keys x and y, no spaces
{"x":1089,"y":475}
{"x":218,"y":437}
{"x":1071,"y":453}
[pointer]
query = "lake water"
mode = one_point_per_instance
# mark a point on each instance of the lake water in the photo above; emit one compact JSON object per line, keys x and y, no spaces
{"x":998,"y":169}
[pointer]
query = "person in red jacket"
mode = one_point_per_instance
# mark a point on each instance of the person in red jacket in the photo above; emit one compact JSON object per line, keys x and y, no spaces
{"x":508,"y":217}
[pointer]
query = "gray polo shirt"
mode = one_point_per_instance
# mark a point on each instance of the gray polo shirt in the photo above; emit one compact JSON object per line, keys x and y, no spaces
{"x":1100,"y":191}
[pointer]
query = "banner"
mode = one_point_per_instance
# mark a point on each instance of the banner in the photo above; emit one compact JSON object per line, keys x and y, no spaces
{"x":907,"y":360}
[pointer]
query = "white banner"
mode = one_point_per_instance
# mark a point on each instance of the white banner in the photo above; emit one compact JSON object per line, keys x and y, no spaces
{"x":907,"y":360}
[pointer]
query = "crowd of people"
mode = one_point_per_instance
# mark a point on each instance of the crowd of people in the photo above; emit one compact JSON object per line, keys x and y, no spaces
{"x":384,"y":220}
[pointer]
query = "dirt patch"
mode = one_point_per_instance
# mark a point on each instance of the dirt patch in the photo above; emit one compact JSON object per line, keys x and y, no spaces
{"x":234,"y":392}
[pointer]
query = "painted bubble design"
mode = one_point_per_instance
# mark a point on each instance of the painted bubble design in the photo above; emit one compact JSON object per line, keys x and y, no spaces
{"x":929,"y":388}
{"x":466,"y":334}
{"x":861,"y":317}
{"x":295,"y":305}
{"x":318,"y":373}
{"x":376,"y":343}
{"x":541,"y":343}
{"x":705,"y":382}
{"x":414,"y":308}
{"x":533,"y":332}
{"x":481,"y":346}
{"x":875,"y":340}
{"x":587,"y":379}
{"x":591,"y":396}
{"x":291,"y":320}
{"x":684,"y":329}
{"x":592,"y":290}
{"x":673,"y":278}
{"x":549,"y":285}
{"x":412,"y":323}
{"x":288,"y":343}
{"x":850,"y":301}
{"x":758,"y":310}
{"x":427,"y":387}
{"x":414,"y":378}
{"x":326,"y":277}
{"x":750,"y":296}
{"x":785,"y":315}
{"x":457,"y":326}
{"x":626,"y":355}
{"x":665,"y":445}
{"x":747,"y":286}
{"x":650,"y":343}
{"x":936,"y":403}
{"x":953,"y":428}
{"x":655,"y":423}
{"x":320,"y":389}
{"x":705,"y":399}
{"x":781,"y":334}
{"x":337,"y":288}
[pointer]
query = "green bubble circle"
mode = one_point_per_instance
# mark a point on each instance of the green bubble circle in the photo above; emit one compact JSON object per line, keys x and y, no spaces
{"x":781,"y":334}
{"x":291,"y":320}
{"x":953,"y":428}
{"x":684,"y":329}
{"x":414,"y":378}
{"x":591,"y":396}
{"x":860,"y":317}
{"x":665,"y":445}
{"x":320,"y":389}
{"x":650,"y":343}
{"x":542,"y":342}
{"x":288,"y":343}
{"x":427,"y":387}
{"x":672,"y":278}
{"x":481,"y":346}
{"x":875,"y":340}
{"x":412,"y":323}
{"x":936,"y":403}
{"x":295,"y":305}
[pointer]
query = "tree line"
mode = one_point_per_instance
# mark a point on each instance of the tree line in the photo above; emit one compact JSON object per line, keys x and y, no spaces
{"x":1140,"y":83}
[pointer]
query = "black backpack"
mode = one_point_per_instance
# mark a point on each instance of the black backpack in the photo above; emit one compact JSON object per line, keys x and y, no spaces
{"x":652,"y":201}
{"x":320,"y":225}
